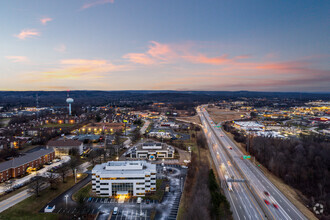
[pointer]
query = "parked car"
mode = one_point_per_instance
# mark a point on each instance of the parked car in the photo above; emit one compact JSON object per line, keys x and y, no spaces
{"x":115,"y":211}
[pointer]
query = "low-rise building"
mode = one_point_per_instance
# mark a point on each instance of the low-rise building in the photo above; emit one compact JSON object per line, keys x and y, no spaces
{"x":64,"y":146}
{"x":124,"y":178}
{"x":18,"y":166}
{"x":152,"y":150}
{"x":249,"y":125}
{"x":102,"y":127}
{"x":165,"y":133}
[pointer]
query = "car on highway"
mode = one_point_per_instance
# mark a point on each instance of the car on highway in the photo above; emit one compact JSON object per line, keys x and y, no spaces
{"x":230,"y":147}
{"x":266,"y":201}
{"x":275,"y":205}
{"x":266,"y":193}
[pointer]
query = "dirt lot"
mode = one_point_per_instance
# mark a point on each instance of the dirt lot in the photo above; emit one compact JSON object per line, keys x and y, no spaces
{"x":292,"y":194}
{"x":219,"y":115}
{"x":193,"y":119}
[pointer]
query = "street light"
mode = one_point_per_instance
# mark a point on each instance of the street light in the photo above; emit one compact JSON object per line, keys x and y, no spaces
{"x":75,"y":175}
{"x":66,"y":200}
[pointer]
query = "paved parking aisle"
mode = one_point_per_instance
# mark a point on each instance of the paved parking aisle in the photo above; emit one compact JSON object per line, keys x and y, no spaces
{"x":132,"y":214}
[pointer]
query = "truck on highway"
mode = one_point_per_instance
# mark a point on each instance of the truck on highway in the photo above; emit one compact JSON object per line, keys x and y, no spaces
{"x":229,"y":184}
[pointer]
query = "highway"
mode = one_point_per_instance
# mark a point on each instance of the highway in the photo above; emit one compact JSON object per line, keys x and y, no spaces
{"x":243,"y":204}
{"x":256,"y":184}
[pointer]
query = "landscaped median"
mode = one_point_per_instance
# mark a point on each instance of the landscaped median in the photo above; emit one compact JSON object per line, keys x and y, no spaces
{"x":30,"y":207}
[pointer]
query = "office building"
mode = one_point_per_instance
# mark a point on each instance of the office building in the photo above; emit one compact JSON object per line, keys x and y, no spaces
{"x":124,"y":178}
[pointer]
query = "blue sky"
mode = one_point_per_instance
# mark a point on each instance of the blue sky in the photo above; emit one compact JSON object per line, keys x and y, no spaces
{"x":165,"y":44}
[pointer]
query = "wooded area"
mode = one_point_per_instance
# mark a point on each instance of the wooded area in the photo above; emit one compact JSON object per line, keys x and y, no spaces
{"x":301,"y":163}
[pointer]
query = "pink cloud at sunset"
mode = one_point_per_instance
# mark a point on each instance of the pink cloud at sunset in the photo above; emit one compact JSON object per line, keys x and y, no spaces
{"x":17,"y":59}
{"x":139,"y":58}
{"x":45,"y":20}
{"x":27,"y":33}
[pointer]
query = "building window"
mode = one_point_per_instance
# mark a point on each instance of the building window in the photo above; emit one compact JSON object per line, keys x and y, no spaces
{"x":120,"y":187}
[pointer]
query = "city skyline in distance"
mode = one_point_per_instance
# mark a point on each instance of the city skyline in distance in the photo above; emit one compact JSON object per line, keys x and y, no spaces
{"x":165,"y":45}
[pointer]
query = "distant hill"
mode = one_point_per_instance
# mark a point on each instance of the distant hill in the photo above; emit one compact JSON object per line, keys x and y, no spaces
{"x":96,"y":98}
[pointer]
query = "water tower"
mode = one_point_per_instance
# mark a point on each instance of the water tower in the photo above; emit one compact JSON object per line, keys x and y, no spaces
{"x":69,"y":101}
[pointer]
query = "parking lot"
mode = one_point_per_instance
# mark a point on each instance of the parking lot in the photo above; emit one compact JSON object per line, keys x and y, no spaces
{"x":112,"y":200}
{"x":132,"y":214}
{"x":130,"y":209}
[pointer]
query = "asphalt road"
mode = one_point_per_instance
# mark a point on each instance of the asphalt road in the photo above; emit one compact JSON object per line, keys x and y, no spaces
{"x":243,"y":204}
{"x":257,"y":181}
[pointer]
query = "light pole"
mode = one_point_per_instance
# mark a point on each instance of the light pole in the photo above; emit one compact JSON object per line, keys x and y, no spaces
{"x":66,"y":200}
{"x":181,"y":183}
{"x":75,"y":175}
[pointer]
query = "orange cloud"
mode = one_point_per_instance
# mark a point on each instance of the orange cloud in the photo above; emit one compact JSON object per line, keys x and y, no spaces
{"x":207,"y":60}
{"x":94,"y":3}
{"x":160,"y":51}
{"x":45,"y":20}
{"x":27,"y":33}
{"x":140,"y":58}
{"x":76,"y":69}
{"x":17,"y":59}
{"x":169,"y":53}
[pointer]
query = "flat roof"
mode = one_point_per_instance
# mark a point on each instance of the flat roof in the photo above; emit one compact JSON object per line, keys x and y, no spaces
{"x":129,"y":168}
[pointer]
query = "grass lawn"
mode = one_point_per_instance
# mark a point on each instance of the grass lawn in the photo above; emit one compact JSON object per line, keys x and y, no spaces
{"x":158,"y":195}
{"x":85,"y":192}
{"x":30,"y":207}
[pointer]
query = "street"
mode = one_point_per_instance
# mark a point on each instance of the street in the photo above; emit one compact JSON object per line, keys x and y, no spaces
{"x":255,"y":185}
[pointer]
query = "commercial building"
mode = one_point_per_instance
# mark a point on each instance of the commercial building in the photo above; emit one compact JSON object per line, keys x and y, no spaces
{"x":152,"y":150}
{"x":124,"y":178}
{"x":63,"y":147}
{"x":102,"y":127}
{"x":249,"y":125}
{"x":18,"y":166}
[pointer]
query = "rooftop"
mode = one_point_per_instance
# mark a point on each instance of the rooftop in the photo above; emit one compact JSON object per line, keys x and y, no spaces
{"x":18,"y":161}
{"x":64,"y":143}
{"x":130,"y":168}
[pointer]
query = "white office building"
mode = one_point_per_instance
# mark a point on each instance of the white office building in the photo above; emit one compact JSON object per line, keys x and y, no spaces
{"x":124,"y":178}
{"x":152,"y":150}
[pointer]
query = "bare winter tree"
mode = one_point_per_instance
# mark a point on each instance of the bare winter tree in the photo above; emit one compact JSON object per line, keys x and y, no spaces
{"x":36,"y":184}
{"x":64,"y":171}
{"x":52,"y":179}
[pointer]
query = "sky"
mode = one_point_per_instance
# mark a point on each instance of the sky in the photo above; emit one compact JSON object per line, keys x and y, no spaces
{"x":216,"y":45}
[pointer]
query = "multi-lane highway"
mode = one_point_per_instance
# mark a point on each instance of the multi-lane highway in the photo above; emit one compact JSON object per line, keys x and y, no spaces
{"x":247,"y":198}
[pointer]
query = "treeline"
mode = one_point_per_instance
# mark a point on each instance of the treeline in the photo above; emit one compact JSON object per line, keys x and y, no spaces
{"x":202,"y":196}
{"x":303,"y":165}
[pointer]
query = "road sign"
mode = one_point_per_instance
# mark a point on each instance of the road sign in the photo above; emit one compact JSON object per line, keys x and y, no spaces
{"x":246,"y":157}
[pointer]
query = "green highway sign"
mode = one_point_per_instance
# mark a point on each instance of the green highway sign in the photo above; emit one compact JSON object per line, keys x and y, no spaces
{"x":246,"y":157}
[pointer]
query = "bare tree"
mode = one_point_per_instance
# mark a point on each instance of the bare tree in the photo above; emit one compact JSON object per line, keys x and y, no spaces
{"x":73,"y":163}
{"x":36,"y":184}
{"x":52,"y":179}
{"x":63,"y":171}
